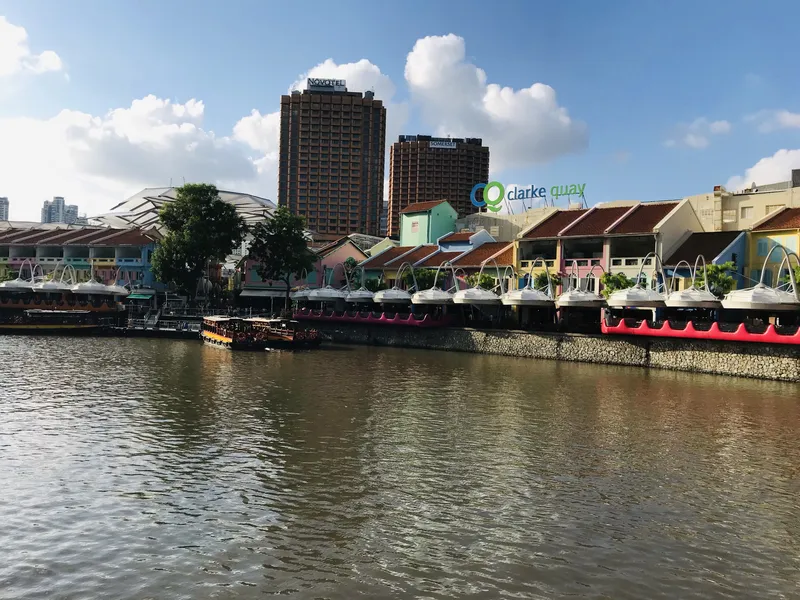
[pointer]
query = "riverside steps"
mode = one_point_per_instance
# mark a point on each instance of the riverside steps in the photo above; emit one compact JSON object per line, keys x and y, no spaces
{"x":758,"y":361}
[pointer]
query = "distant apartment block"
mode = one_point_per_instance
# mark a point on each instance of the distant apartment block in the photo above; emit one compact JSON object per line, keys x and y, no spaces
{"x":57,"y":211}
{"x":424,"y":169}
{"x":332,"y":158}
{"x":3,"y":208}
{"x":384,"y":219}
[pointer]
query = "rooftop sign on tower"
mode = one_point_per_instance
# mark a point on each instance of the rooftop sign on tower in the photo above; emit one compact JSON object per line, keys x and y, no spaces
{"x":326,"y":85}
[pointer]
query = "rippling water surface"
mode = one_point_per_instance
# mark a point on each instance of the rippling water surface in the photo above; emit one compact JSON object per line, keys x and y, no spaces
{"x":165,"y":469}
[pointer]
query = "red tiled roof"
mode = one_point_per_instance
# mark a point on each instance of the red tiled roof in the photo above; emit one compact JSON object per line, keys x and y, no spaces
{"x":9,"y":234}
{"x":709,"y":244}
{"x":126,"y":237}
{"x":80,"y":237}
{"x":421,"y":206}
{"x":379,"y":260}
{"x":475,"y":257}
{"x":461,"y":236}
{"x":788,"y":218}
{"x":434,"y":260}
{"x":644,"y":218}
{"x":597,"y":222}
{"x":329,"y":245}
{"x":553,"y":224}
{"x":415,"y":256}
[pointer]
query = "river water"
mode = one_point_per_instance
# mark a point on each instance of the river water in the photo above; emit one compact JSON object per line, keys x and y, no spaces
{"x":133,"y":469}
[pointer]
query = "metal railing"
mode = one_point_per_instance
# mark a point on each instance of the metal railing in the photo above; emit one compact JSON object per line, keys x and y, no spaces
{"x":584,"y":262}
{"x":526,"y":264}
{"x":632,"y":261}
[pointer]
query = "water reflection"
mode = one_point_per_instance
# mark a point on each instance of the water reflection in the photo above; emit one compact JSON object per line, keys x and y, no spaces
{"x":141,"y":469}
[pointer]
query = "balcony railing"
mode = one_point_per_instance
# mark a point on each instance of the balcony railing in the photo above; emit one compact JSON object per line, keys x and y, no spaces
{"x":129,"y":261}
{"x":583,"y":262}
{"x":104,"y":261}
{"x":526,"y":264}
{"x":633,"y":261}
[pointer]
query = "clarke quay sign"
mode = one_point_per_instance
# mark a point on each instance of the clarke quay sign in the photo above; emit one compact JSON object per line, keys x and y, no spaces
{"x":520,"y":193}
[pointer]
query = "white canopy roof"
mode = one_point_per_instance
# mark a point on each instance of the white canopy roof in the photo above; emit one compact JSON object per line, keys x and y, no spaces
{"x":141,"y":210}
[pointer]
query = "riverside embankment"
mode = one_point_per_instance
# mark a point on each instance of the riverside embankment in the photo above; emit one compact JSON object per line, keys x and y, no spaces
{"x":759,"y":361}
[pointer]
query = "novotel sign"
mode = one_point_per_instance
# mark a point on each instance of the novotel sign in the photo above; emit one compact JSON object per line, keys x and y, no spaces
{"x":338,"y":85}
{"x":442,"y":144}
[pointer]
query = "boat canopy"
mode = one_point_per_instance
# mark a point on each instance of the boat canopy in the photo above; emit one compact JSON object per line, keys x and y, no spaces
{"x":477,"y":294}
{"x":575,"y":297}
{"x":765,"y":298}
{"x":640,"y":296}
{"x":528,"y":295}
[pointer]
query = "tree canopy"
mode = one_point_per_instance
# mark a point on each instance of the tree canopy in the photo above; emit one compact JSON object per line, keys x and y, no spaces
{"x":720,"y":280}
{"x":785,"y":280}
{"x":353,"y":272}
{"x":486,"y":282}
{"x":615,"y":281}
{"x":540,"y":280}
{"x":279,"y":248}
{"x":200,"y":227}
{"x":425,"y":278}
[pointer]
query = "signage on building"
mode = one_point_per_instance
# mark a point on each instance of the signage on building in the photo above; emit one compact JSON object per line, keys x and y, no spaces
{"x":521,"y":193}
{"x":414,"y":226}
{"x":443,"y":144}
{"x":336,"y":85}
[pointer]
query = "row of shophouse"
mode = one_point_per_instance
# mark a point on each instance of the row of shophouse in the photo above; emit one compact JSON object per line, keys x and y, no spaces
{"x":109,"y":254}
{"x":613,"y":237}
{"x":616,"y":238}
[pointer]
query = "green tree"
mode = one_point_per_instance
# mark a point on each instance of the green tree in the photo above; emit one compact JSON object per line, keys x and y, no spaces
{"x":612,"y":282}
{"x":785,"y":279}
{"x":279,"y":248}
{"x":353,"y":272}
{"x":425,"y":278}
{"x":720,"y":280}
{"x":487,"y":282}
{"x":200,"y":228}
{"x":375,"y":285}
{"x":540,"y":280}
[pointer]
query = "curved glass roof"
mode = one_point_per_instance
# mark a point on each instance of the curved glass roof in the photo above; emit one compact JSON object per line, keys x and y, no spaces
{"x":141,"y":210}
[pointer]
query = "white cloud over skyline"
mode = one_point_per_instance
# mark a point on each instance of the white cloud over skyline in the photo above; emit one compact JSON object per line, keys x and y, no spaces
{"x":16,"y":55}
{"x":771,"y":169}
{"x":768,"y":121}
{"x":522,"y":127}
{"x":96,"y":161}
{"x":698,"y":133}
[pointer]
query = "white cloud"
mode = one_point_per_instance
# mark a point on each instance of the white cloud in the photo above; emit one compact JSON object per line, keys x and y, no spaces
{"x":698,"y":133}
{"x":522,"y":127}
{"x":771,"y":169}
{"x":768,"y":121}
{"x":363,"y":76}
{"x":16,"y":55}
{"x":261,"y":131}
{"x":95,"y":161}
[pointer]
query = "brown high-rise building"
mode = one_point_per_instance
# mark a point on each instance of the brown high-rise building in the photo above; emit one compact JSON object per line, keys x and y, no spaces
{"x":424,"y":168}
{"x":332,"y":158}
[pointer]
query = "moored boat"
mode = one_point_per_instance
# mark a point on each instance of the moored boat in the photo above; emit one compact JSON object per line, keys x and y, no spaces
{"x":232,"y":333}
{"x":257,"y":333}
{"x":51,"y":321}
{"x":285,"y":334}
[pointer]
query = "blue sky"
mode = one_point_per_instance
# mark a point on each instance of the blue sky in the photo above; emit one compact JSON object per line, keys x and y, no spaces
{"x":635,"y":73}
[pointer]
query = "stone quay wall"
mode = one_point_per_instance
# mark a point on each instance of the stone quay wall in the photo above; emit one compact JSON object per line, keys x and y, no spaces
{"x":759,"y":361}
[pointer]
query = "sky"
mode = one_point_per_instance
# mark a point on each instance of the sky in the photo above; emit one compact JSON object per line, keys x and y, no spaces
{"x":638,"y":100}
